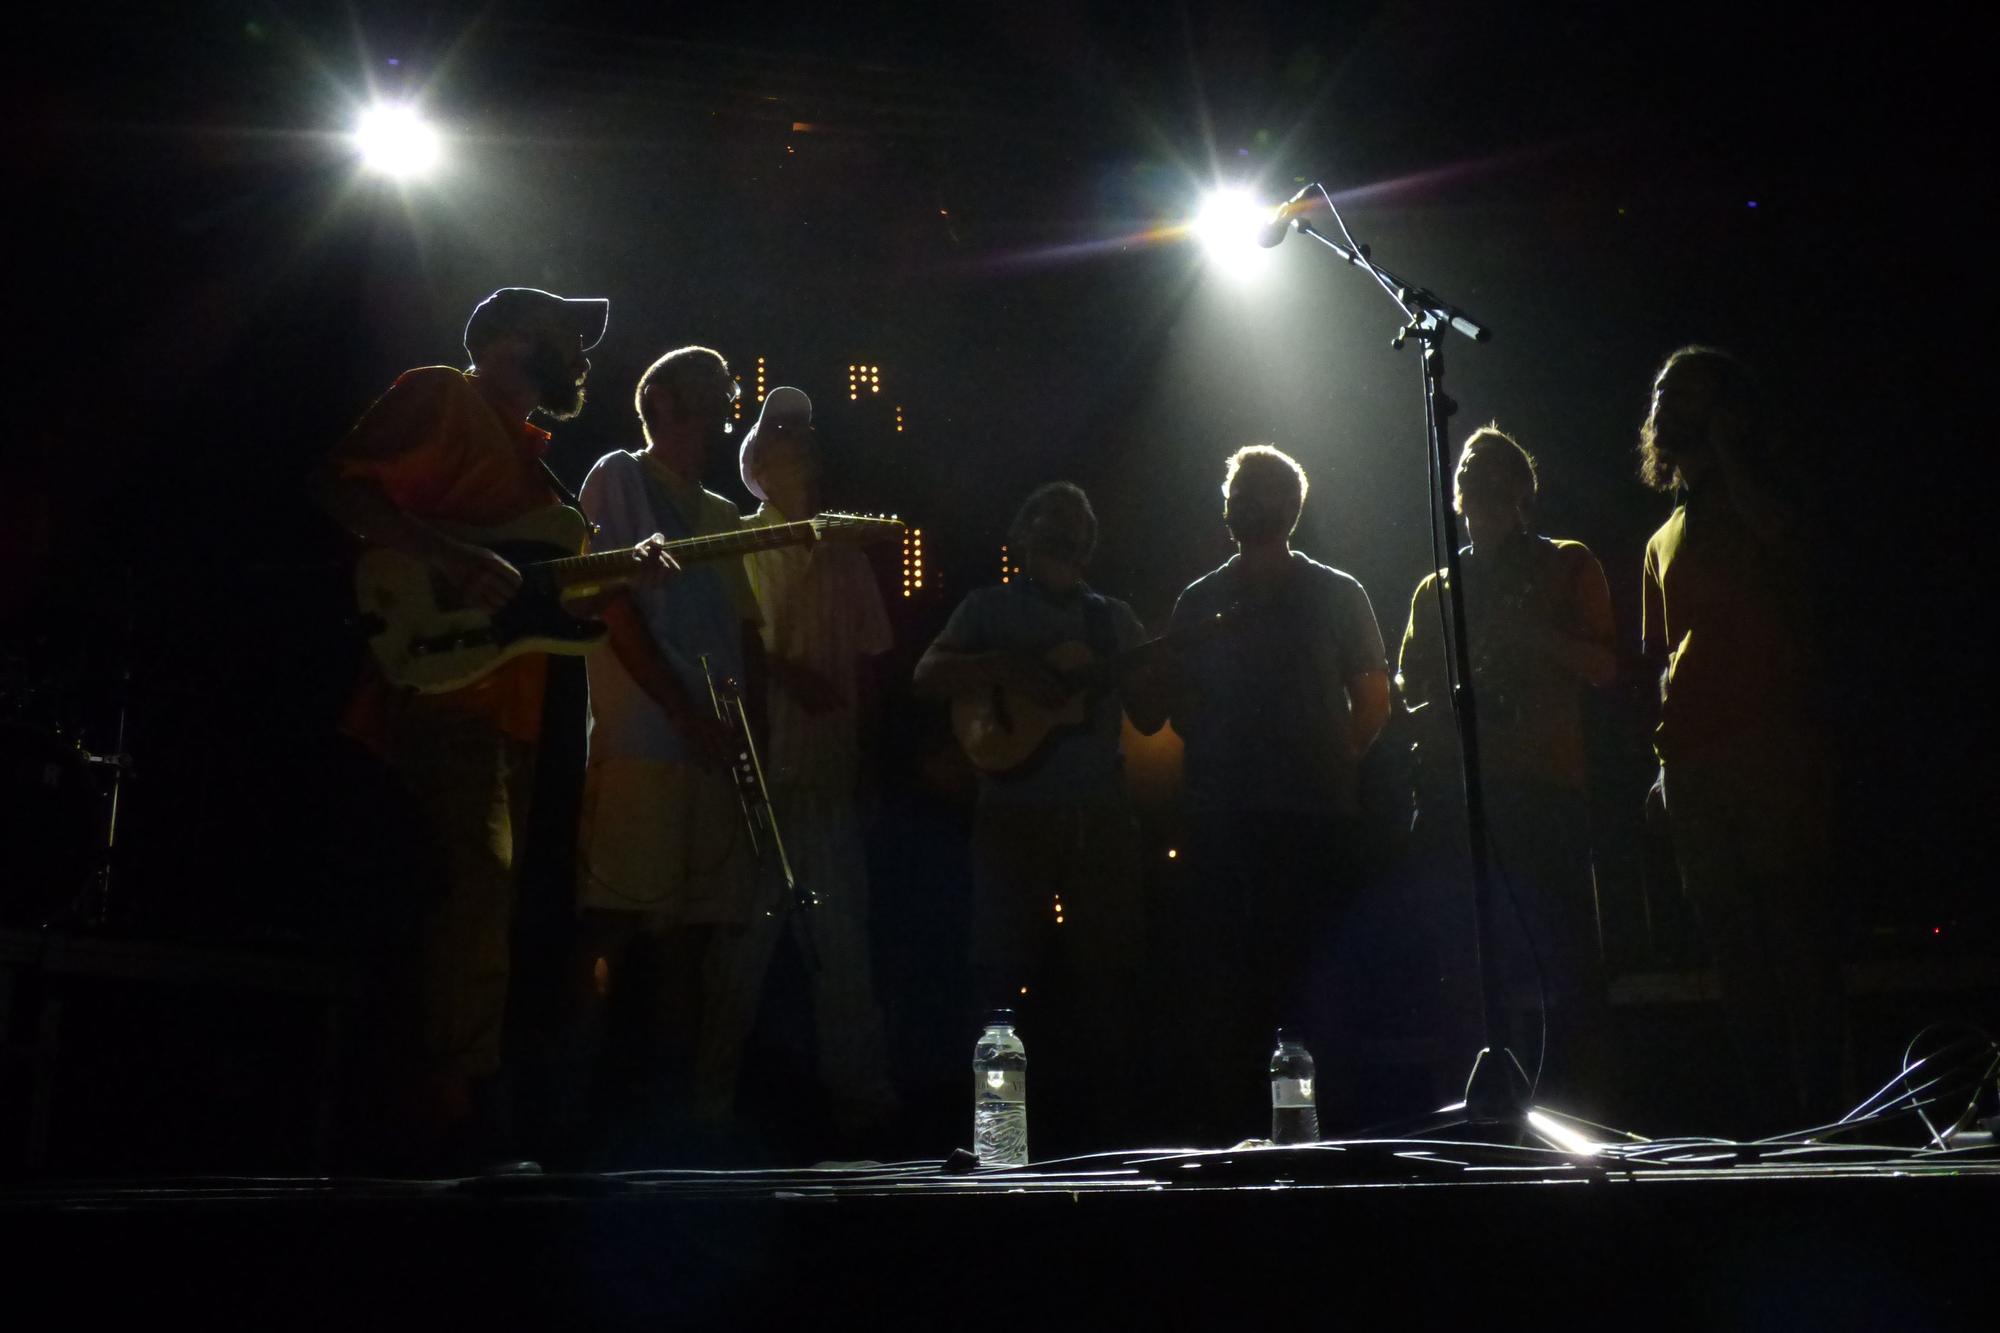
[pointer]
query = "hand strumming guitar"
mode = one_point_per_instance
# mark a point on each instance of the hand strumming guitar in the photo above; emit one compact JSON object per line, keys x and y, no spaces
{"x":485,"y":579}
{"x":1028,"y":675}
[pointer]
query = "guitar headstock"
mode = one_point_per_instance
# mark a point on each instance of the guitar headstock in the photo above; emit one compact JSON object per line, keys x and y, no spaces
{"x":857,"y":528}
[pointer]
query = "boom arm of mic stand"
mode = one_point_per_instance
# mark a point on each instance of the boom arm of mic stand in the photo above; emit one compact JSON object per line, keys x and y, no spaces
{"x":1495,"y":1090}
{"x":1414,"y":300}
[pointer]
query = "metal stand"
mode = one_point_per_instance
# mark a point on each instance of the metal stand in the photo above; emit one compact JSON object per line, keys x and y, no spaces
{"x":97,"y":905}
{"x":1497,"y":1091}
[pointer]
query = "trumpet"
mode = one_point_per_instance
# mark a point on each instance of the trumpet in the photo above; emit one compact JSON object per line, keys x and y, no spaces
{"x":752,"y":794}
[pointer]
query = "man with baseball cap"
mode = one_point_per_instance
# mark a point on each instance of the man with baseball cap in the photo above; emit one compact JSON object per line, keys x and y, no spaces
{"x":450,"y":446}
{"x":515,"y":310}
{"x":823,"y":622}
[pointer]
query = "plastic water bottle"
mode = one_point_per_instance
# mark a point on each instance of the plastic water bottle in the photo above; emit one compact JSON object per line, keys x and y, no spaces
{"x":1000,"y":1094}
{"x":1294,"y":1109}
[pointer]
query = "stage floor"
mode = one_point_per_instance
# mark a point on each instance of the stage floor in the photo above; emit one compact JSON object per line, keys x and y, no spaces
{"x":1404,"y":1233}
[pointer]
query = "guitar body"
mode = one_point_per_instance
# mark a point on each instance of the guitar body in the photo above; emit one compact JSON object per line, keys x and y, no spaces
{"x":424,"y":638}
{"x":1003,"y":732}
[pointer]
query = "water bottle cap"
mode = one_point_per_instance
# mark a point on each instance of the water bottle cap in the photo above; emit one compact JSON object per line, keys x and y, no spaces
{"x":1000,"y":1018}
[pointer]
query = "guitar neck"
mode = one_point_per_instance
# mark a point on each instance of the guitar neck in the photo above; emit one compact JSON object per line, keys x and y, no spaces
{"x":604,"y":567}
{"x":1108,"y":672}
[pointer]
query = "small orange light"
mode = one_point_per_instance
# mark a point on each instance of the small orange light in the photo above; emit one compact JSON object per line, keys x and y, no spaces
{"x":1172,"y":852}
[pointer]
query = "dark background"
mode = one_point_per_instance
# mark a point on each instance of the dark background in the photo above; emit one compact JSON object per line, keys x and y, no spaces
{"x":206,"y":293}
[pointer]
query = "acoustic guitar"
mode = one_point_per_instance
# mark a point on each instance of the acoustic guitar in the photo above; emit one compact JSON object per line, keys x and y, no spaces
{"x":1005,"y":732}
{"x":426,"y":638}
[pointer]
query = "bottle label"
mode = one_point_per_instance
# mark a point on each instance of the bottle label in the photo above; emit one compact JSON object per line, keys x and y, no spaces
{"x":1000,"y":1085}
{"x":1291,"y":1092}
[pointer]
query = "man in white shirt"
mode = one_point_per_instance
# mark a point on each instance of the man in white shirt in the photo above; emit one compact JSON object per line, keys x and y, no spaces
{"x":823,"y":620}
{"x":666,"y":874}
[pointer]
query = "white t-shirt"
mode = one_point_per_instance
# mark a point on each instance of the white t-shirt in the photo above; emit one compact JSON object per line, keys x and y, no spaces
{"x":822,"y":609}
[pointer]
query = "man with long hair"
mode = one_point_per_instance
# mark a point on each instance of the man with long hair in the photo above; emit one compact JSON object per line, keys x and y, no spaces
{"x":1742,"y":749}
{"x":1540,"y":633}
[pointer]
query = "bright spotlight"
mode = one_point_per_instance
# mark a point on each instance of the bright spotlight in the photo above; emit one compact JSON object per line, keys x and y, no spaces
{"x":1227,"y":228}
{"x":394,"y":140}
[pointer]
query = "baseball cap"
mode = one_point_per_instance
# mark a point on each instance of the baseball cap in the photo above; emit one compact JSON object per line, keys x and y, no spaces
{"x":783,"y":405}
{"x":514,"y":308}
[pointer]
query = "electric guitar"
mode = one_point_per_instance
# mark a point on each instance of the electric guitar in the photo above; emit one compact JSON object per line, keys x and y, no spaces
{"x":426,"y":638}
{"x":1003,"y":731}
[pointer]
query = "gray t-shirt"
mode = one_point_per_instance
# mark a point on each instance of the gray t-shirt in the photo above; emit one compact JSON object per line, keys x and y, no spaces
{"x":1271,"y":728}
{"x":1082,"y":767}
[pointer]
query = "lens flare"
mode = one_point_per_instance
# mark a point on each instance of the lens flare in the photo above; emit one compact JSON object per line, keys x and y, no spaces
{"x":395,"y":140}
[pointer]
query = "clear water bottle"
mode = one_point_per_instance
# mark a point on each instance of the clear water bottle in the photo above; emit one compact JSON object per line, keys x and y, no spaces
{"x":1000,"y":1094}
{"x":1294,"y":1108}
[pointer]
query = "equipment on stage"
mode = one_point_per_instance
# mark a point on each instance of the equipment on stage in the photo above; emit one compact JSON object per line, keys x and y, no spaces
{"x":424,"y":636}
{"x":1004,"y":731}
{"x":1497,"y":1090}
{"x":752,"y":794}
{"x":52,"y":799}
{"x":63,"y":801}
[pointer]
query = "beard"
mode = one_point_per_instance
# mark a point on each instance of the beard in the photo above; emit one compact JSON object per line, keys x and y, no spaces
{"x":558,"y":396}
{"x":1254,"y":524}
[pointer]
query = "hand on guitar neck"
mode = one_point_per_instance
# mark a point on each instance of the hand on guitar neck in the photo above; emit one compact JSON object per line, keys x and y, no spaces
{"x":652,"y":566}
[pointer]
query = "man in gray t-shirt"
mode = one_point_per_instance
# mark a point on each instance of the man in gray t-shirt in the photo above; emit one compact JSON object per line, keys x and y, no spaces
{"x":1277,"y":707}
{"x":1274,"y":726}
{"x":1057,"y":928}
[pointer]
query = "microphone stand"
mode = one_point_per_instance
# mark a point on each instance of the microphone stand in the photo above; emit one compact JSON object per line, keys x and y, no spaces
{"x":1497,"y":1091}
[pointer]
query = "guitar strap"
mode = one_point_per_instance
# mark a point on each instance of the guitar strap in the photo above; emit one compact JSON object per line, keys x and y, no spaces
{"x":569,"y":497}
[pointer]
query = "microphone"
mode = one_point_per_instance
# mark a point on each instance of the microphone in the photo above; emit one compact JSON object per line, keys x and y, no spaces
{"x":1280,"y":220}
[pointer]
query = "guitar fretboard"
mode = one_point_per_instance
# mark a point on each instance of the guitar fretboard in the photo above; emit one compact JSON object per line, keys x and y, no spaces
{"x":714,"y":546}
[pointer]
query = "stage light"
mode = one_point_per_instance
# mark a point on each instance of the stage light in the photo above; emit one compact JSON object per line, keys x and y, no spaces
{"x":396,"y":141}
{"x":1227,"y":228}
